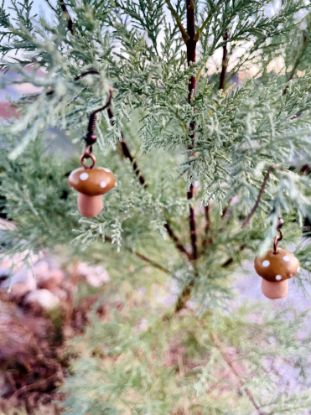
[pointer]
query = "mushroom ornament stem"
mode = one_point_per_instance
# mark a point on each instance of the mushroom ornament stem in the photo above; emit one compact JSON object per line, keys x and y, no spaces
{"x":275,"y":268}
{"x":90,"y":206}
{"x":91,"y":184}
{"x":273,"y":290}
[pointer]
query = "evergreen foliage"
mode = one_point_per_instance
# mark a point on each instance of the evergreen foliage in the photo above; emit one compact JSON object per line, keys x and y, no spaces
{"x":205,"y":167}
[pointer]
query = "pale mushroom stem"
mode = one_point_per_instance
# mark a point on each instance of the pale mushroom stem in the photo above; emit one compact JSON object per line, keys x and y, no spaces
{"x":274,"y":290}
{"x":90,"y":206}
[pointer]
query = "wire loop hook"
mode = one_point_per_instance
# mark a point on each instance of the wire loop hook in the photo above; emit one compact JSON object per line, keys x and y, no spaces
{"x":90,"y":137}
{"x":87,"y":154}
{"x":278,"y":237}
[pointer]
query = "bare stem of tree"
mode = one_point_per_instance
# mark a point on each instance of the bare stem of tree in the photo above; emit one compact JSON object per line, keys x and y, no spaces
{"x":259,"y":197}
{"x":184,"y":296}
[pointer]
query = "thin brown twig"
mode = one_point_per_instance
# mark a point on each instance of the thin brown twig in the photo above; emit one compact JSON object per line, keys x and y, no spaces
{"x":127,"y":154}
{"x":90,"y":71}
{"x":174,"y":14}
{"x":151,"y":262}
{"x":206,"y":240}
{"x":259,"y":197}
{"x":143,"y":257}
{"x":70,"y":24}
{"x":230,"y":260}
{"x":184,"y":296}
{"x":176,"y":241}
{"x":192,"y":224}
{"x":51,"y":6}
{"x":241,"y":384}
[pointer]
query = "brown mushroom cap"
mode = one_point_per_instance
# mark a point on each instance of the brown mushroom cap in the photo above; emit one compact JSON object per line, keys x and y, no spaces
{"x":277,"y":267}
{"x":92,"y":182}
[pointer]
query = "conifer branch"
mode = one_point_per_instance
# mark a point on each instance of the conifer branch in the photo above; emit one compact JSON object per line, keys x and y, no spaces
{"x":241,"y":384}
{"x":259,"y":197}
{"x":174,"y":14}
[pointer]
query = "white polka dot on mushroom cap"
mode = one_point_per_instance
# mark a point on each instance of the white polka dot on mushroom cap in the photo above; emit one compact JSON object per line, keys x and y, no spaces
{"x":265,"y":263}
{"x":278,"y":277}
{"x":107,"y":170}
{"x":286,"y":258}
{"x":103,"y":183}
{"x":84,"y":176}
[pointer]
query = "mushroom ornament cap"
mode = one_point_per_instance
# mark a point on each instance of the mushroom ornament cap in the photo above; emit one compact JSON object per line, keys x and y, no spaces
{"x":92,"y":182}
{"x":277,"y":267}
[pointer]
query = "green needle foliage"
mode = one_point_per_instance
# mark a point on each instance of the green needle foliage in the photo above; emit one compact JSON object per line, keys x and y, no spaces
{"x":208,"y":128}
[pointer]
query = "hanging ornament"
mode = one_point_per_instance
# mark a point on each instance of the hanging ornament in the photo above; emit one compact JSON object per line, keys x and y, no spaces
{"x":276,"y":267}
{"x":91,"y":182}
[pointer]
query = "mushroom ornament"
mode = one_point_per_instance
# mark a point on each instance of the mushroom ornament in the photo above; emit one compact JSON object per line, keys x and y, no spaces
{"x":91,"y":183}
{"x":275,"y":268}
